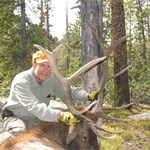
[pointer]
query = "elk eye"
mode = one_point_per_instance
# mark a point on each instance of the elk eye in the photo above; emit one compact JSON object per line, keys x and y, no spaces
{"x":84,"y":138}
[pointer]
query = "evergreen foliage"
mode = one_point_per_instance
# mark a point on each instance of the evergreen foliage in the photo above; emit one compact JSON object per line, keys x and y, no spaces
{"x":139,"y":72}
{"x":11,"y":51}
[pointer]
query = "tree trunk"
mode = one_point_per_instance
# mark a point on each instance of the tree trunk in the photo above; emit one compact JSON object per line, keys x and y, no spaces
{"x":23,"y":24}
{"x":120,"y":53}
{"x":48,"y":24}
{"x":91,"y":13}
{"x":42,"y":15}
{"x":67,"y":39}
{"x":23,"y":54}
{"x":142,"y":35}
{"x":90,"y":48}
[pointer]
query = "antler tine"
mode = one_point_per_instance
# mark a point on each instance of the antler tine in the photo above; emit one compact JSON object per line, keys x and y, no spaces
{"x":107,"y":53}
{"x":56,"y":50}
{"x":116,"y":43}
{"x":51,"y":59}
{"x":98,"y":133}
{"x":86,"y":67}
{"x":100,"y":128}
{"x":104,"y":116}
{"x":106,"y":130}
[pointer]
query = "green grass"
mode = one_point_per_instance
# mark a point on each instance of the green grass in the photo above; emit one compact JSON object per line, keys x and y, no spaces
{"x":136,"y":134}
{"x":114,"y":144}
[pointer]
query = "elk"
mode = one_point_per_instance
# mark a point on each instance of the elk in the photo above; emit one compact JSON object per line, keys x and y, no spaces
{"x":50,"y":135}
{"x":82,"y":135}
{"x":58,"y":135}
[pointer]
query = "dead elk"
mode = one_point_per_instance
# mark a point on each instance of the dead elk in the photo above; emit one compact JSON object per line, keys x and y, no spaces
{"x":58,"y":135}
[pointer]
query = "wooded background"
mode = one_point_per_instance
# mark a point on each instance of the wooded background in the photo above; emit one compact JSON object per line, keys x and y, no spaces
{"x":112,"y":19}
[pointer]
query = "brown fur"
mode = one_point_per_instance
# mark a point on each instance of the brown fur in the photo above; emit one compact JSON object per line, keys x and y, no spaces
{"x":54,"y":136}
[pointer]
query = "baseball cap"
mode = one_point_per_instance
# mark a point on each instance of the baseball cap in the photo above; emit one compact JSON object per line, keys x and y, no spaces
{"x":39,"y":57}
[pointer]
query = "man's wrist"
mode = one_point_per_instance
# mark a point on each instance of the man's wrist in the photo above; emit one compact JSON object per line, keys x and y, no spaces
{"x":59,"y":116}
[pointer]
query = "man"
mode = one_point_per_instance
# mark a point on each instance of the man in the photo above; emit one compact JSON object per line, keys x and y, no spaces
{"x":30,"y":95}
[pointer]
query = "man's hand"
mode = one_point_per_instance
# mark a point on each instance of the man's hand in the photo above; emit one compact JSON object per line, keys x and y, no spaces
{"x":68,"y":118}
{"x":93,"y":95}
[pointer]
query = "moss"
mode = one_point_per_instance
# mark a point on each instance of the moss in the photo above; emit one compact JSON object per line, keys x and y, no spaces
{"x":147,"y":133}
{"x":137,"y":133}
{"x":129,"y":135}
{"x":113,"y":144}
{"x":146,"y":146}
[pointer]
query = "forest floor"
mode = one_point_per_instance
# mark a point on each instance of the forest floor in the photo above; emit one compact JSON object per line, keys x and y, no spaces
{"x":135,"y":135}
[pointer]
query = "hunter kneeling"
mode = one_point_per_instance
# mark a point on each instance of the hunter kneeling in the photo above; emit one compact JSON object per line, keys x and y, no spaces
{"x":30,"y":95}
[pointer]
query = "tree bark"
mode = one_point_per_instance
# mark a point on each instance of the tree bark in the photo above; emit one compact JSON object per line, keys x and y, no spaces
{"x":23,"y":24}
{"x":41,"y":24}
{"x":23,"y":54}
{"x":90,"y":48}
{"x":120,"y":53}
{"x":142,"y":35}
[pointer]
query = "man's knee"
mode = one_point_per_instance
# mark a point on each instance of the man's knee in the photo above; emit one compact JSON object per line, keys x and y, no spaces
{"x":11,"y":126}
{"x":14,"y":125}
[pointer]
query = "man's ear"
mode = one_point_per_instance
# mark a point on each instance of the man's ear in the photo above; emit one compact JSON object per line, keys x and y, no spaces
{"x":33,"y":63}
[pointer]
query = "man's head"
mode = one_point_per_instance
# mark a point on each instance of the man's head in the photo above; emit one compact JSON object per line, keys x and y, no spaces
{"x":40,"y":66}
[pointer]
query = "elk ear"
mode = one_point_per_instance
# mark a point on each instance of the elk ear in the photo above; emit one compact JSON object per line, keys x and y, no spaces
{"x":72,"y":133}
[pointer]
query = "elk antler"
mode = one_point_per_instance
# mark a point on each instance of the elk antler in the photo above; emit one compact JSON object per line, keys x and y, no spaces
{"x":91,"y":124}
{"x":66,"y":82}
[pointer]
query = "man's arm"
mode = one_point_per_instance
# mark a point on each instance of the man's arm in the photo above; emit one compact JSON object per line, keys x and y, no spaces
{"x":25,"y":97}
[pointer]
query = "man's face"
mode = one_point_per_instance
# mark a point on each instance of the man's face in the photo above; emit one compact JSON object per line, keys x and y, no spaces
{"x":42,"y":71}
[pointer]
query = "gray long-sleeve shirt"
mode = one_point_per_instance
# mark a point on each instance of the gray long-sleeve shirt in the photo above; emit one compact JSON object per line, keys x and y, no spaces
{"x":28,"y":99}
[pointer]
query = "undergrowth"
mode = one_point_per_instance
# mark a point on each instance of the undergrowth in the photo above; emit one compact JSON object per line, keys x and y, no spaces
{"x":135,"y":135}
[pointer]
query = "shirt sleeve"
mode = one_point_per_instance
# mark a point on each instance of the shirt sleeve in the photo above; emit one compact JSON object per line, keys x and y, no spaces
{"x":26,"y":98}
{"x":77,"y":93}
